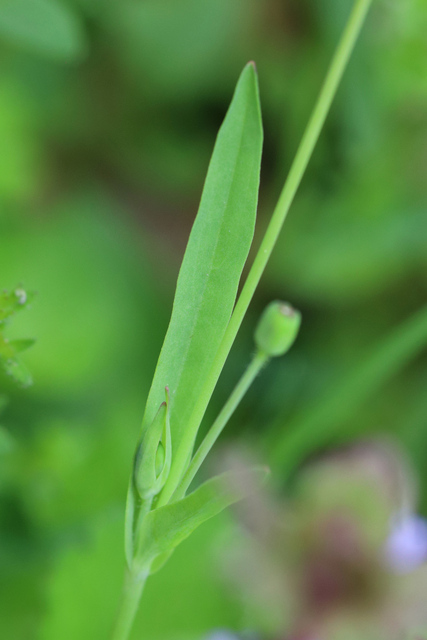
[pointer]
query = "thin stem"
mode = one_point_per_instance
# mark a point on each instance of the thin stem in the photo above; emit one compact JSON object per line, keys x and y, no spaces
{"x":131,"y":595}
{"x":257,"y":363}
{"x":302,"y":158}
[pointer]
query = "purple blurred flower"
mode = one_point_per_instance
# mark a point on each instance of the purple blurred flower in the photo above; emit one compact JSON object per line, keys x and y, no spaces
{"x":406,"y":547}
{"x":224,"y":634}
{"x":221,"y":634}
{"x":345,"y":557}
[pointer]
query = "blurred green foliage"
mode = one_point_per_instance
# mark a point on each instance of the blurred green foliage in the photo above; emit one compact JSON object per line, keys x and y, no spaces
{"x":108,"y":114}
{"x":10,"y":303}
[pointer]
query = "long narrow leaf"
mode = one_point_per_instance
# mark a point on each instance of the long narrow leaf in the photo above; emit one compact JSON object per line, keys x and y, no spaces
{"x":216,"y":253}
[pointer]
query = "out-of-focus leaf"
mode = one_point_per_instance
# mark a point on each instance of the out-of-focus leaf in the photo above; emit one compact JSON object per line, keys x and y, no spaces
{"x":9,"y":303}
{"x":12,"y":364}
{"x":12,"y":301}
{"x":318,"y":423}
{"x":216,"y":253}
{"x":165,"y":528}
{"x":48,"y":27}
{"x":91,"y":278}
{"x":19,"y":372}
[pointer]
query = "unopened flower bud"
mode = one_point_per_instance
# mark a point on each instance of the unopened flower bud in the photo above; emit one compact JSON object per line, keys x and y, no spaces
{"x":153,"y":455}
{"x":277,"y":329}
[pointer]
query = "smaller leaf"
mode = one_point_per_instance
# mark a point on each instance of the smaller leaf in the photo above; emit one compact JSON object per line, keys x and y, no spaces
{"x":12,"y":301}
{"x":12,"y":363}
{"x":165,"y":528}
{"x":15,"y":368}
{"x":6,"y":350}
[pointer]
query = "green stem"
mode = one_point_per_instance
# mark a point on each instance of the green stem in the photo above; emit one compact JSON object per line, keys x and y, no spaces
{"x":302,"y":158}
{"x":258,"y":361}
{"x":131,"y":595}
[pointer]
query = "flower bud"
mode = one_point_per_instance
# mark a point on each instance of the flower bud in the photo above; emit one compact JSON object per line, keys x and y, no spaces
{"x":153,"y":455}
{"x":277,"y":329}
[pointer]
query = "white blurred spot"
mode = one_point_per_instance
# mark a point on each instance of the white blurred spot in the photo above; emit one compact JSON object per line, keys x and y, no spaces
{"x":21,"y":294}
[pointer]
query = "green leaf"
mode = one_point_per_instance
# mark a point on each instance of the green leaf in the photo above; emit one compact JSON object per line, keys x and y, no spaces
{"x":166,"y":527}
{"x":6,"y":351}
{"x":12,"y":364}
{"x":216,"y":253}
{"x":48,"y":27}
{"x":12,"y":301}
{"x":15,"y":368}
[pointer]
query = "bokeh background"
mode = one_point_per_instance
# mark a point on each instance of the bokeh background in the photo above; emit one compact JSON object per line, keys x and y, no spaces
{"x":108,"y":115}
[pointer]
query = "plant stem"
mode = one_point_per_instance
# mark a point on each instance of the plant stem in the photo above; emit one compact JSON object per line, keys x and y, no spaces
{"x":258,"y":361}
{"x":302,"y":158}
{"x":131,"y":595}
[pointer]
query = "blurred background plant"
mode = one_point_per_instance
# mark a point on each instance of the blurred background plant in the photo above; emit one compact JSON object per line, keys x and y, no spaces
{"x":345,"y":557}
{"x":108,"y":113}
{"x":10,"y":303}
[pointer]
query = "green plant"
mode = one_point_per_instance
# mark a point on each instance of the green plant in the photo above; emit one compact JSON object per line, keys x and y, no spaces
{"x":203,"y":326}
{"x":10,"y":303}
